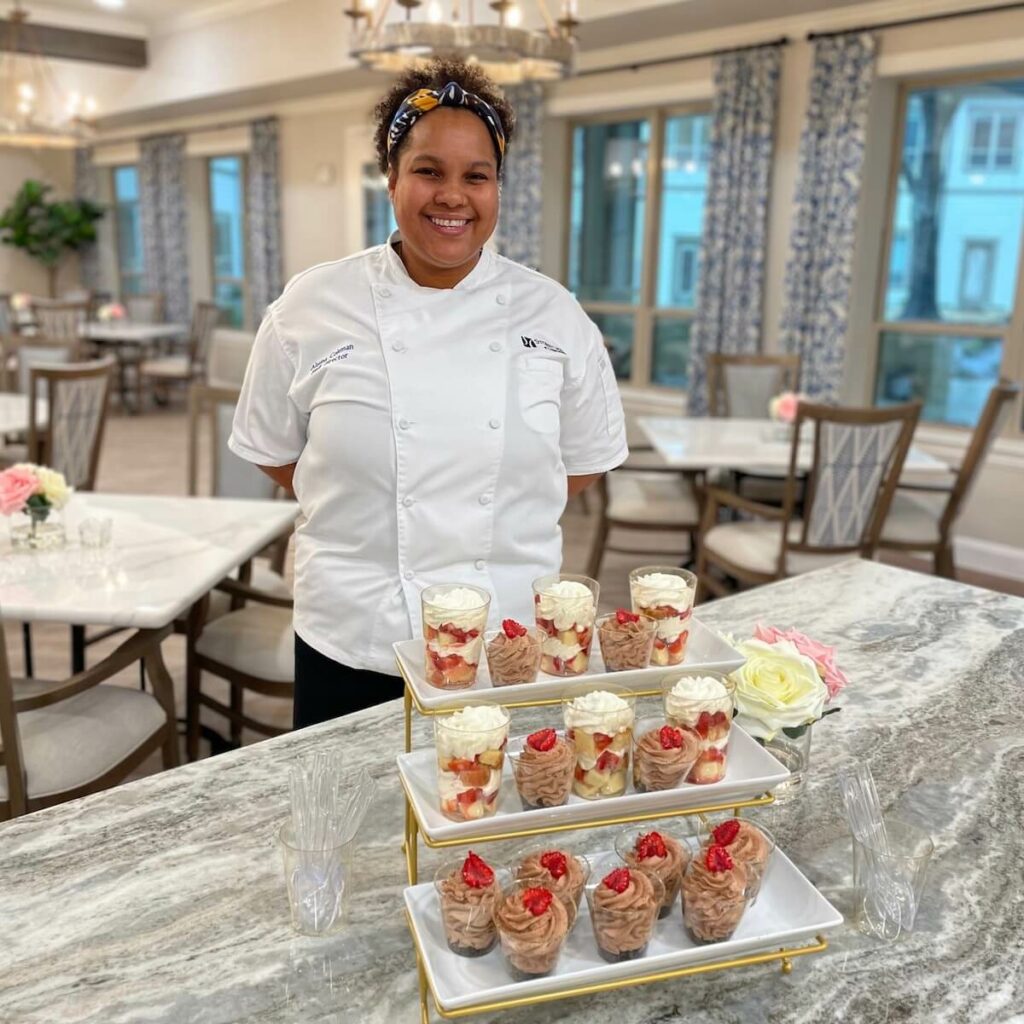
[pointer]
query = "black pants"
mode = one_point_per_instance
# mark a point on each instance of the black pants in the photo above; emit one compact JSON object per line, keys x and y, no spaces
{"x":326,"y":689}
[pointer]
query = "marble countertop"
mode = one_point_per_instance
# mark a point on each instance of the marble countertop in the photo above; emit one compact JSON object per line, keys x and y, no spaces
{"x":163,"y":901}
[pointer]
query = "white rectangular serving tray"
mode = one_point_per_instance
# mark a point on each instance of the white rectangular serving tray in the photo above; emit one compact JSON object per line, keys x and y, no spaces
{"x":706,"y":651}
{"x":788,"y":910}
{"x":750,"y":772}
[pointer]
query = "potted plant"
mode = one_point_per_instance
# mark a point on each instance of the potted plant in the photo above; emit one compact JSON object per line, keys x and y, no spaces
{"x":48,"y":230}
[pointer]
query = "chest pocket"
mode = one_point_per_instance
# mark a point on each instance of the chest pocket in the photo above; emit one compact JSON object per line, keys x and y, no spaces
{"x":540,"y":394}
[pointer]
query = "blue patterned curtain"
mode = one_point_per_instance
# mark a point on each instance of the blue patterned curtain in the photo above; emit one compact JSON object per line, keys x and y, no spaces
{"x":735,"y":214}
{"x":519,"y":228}
{"x":263,"y":192}
{"x":164,"y":212}
{"x":819,"y":270}
{"x":87,"y":186}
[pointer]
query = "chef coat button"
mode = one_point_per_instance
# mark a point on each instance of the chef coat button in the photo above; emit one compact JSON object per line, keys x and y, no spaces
{"x":485,"y":499}
{"x":385,"y":293}
{"x":495,"y":346}
{"x":480,"y":563}
{"x":407,"y":502}
{"x":408,"y":574}
{"x":494,"y":424}
{"x":500,"y":300}
{"x":398,"y":346}
{"x":403,"y":424}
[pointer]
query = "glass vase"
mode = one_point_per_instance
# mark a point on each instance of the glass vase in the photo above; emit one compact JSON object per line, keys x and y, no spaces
{"x":38,"y":529}
{"x":794,"y":751}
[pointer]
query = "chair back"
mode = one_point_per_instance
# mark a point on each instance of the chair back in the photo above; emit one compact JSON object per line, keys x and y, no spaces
{"x":229,"y":357}
{"x":12,"y":768}
{"x":204,"y":320}
{"x":61,"y":320}
{"x":78,"y":395}
{"x":230,"y":476}
{"x":741,"y":387}
{"x":7,"y":325}
{"x":144,"y":309}
{"x":37,"y":351}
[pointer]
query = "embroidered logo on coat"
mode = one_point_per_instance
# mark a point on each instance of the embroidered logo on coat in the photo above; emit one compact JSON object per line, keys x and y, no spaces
{"x":336,"y":356}
{"x":540,"y":343}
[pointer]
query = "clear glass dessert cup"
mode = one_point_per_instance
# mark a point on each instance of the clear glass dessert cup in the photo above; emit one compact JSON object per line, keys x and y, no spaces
{"x":514,"y":662}
{"x":603,"y":742}
{"x":711,"y":718}
{"x":669,"y":869}
{"x":528,"y":867}
{"x":452,"y":637}
{"x":531,"y":952}
{"x":669,"y":607}
{"x":567,"y":622}
{"x":753,"y":851}
{"x":469,"y":767}
{"x":623,"y":932}
{"x":467,"y":914}
{"x":623,"y":648}
{"x":544,"y":778}
{"x":710,"y":917}
{"x":663,"y":754}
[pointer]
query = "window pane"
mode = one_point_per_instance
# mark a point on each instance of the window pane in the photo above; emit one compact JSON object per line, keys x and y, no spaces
{"x":684,"y":184}
{"x":952,"y":375}
{"x":617,"y":329}
{"x":228,"y":296}
{"x":227,"y":216}
{"x":128,"y":226}
{"x":609,"y":182}
{"x":378,"y":215}
{"x":671,"y":357}
{"x":957,"y":187}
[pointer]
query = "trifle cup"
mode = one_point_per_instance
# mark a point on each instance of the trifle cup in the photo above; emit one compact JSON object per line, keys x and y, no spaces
{"x":663,"y":754}
{"x":624,"y":907}
{"x":470,"y":754}
{"x":454,"y":619}
{"x":599,"y":722}
{"x":513,"y":653}
{"x":468,"y":891}
{"x":565,"y":607}
{"x":626,"y":640}
{"x":748,"y":844}
{"x":556,"y":868}
{"x":658,"y":853}
{"x":715,"y":894}
{"x":664,"y":594}
{"x":532,"y":923}
{"x":543,"y":769}
{"x":705,"y":705}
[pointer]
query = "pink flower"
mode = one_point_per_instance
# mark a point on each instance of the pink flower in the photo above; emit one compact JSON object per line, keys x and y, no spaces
{"x":824,"y":657}
{"x":17,"y":485}
{"x":783,"y":407}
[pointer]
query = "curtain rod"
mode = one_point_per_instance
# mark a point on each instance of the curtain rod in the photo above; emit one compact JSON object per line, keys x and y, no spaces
{"x":946,"y":16}
{"x":721,"y":52}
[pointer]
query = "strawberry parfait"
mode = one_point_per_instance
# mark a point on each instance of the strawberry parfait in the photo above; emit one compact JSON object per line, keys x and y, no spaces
{"x":454,"y":619}
{"x":704,"y":705}
{"x":513,"y":654}
{"x":565,"y":608}
{"x":665,"y":596}
{"x":599,"y":723}
{"x":470,"y":755}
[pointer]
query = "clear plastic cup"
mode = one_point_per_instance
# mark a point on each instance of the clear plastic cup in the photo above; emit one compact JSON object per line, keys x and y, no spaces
{"x":639,"y":850}
{"x":624,"y":922}
{"x":533,"y":924}
{"x":567,"y":621}
{"x":467,"y":911}
{"x":317,"y":883}
{"x":663,"y":754}
{"x":709,"y":716}
{"x":470,"y":759}
{"x":513,"y":660}
{"x":713,"y":903}
{"x":750,"y":844}
{"x":602,"y":739}
{"x":557,"y":868}
{"x":453,"y":631}
{"x":668,"y":603}
{"x":625,"y":644}
{"x":544,"y":777}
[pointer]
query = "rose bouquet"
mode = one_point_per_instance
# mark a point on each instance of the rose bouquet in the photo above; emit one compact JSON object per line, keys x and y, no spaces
{"x":782,"y":408}
{"x":110,"y":311}
{"x":34,"y":491}
{"x":20,"y":301}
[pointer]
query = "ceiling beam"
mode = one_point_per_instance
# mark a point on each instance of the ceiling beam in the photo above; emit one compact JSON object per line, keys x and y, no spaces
{"x":75,"y":44}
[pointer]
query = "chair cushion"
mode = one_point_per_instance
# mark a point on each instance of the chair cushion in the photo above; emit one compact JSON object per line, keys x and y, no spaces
{"x":257,"y":640}
{"x":172,"y":367}
{"x":755,"y":546}
{"x":76,"y":741}
{"x":263,"y":578}
{"x":657,"y":498}
{"x":914,"y":519}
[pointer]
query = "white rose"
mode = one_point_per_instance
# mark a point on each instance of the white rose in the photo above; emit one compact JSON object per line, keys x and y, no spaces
{"x":55,"y":487}
{"x":777,"y":688}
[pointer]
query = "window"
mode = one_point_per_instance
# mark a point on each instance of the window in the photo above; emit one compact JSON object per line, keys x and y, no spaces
{"x":378,"y":215}
{"x":952,"y":278}
{"x":128,"y":225}
{"x":636,"y":216}
{"x":227,"y":236}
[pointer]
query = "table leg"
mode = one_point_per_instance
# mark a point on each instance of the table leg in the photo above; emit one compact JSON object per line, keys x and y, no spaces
{"x":26,"y":643}
{"x":77,"y":649}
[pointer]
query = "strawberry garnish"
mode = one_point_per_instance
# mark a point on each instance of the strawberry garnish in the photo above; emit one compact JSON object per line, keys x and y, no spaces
{"x":617,"y":880}
{"x":542,"y":740}
{"x":537,"y":901}
{"x":670,"y":738}
{"x":513,"y":629}
{"x":717,"y":859}
{"x":476,"y":872}
{"x":555,"y":862}
{"x":608,"y":761}
{"x":726,"y":832}
{"x":622,"y":616}
{"x":651,"y":845}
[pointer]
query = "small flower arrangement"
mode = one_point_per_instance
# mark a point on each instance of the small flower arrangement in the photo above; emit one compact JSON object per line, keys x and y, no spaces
{"x":782,"y":408}
{"x":34,"y":490}
{"x":110,"y":311}
{"x":20,"y":301}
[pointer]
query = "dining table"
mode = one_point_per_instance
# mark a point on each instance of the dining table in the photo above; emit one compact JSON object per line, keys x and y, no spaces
{"x":14,"y":414}
{"x":163,"y":901}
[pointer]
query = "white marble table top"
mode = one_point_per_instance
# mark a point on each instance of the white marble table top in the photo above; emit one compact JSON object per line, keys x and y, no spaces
{"x":125,"y":332}
{"x":14,"y":412}
{"x":707,"y":443}
{"x":166,"y":552}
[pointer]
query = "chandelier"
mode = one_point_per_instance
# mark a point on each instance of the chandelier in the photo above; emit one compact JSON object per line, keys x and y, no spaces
{"x":34,"y":110}
{"x":508,"y":52}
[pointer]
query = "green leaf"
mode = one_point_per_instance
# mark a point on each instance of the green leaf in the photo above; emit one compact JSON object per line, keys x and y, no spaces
{"x":794,"y":732}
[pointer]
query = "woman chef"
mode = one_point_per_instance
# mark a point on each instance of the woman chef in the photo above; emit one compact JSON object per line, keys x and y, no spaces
{"x":430,"y":403}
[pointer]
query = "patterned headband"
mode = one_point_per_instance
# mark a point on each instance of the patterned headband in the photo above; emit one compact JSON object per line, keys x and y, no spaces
{"x":422,"y":101}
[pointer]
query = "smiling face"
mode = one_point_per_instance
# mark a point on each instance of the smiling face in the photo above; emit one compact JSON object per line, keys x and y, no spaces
{"x":445,"y":194}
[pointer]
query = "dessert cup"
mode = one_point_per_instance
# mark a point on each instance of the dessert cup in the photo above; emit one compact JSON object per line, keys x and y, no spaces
{"x":624,"y":907}
{"x":454,"y":619}
{"x":705,"y":705}
{"x":543,"y":769}
{"x":513,"y":657}
{"x":470,"y":755}
{"x":626,"y":640}
{"x":532,"y":923}
{"x":468,"y":889}
{"x":658,"y":853}
{"x":715,"y":895}
{"x":565,"y":607}
{"x":748,"y":844}
{"x":665,"y":594}
{"x":599,"y":722}
{"x":663,"y":754}
{"x":556,"y":868}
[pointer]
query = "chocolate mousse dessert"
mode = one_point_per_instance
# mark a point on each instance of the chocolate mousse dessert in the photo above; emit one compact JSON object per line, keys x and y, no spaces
{"x":626,"y":640}
{"x":714,"y":895}
{"x":469,"y":895}
{"x":513,"y":656}
{"x":558,"y":870}
{"x":544,"y":769}
{"x":747,"y":845}
{"x":533,"y":924}
{"x":623,"y":909}
{"x":660,"y":855}
{"x":663,"y":756}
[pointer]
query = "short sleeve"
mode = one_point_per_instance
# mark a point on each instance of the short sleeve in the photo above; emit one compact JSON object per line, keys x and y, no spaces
{"x":269,"y":428}
{"x":593,"y":437}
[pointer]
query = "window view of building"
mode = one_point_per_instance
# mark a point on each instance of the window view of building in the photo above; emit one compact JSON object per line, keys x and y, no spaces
{"x":130,"y":260}
{"x":227,"y":234}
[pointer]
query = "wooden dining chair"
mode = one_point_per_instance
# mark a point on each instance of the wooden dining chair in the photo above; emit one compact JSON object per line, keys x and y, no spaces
{"x":922,"y":516}
{"x":60,"y":320}
{"x":858,"y":455}
{"x":742,"y":386}
{"x":63,"y":740}
{"x":163,"y":372}
{"x":145,"y":308}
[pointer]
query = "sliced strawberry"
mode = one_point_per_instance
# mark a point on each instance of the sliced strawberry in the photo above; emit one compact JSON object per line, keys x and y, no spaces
{"x":583,"y":639}
{"x":457,"y":764}
{"x":666,"y":611}
{"x":713,"y":754}
{"x":717,"y":859}
{"x":718,"y":719}
{"x":557,"y":663}
{"x":659,"y":644}
{"x":726,"y":832}
{"x":618,"y":880}
{"x":608,"y":761}
{"x":513,"y":629}
{"x":542,"y":740}
{"x":460,"y":636}
{"x":703,"y":725}
{"x":555,"y":862}
{"x":548,"y":626}
{"x":622,"y":616}
{"x":601,"y":741}
{"x":670,"y":738}
{"x":537,"y":901}
{"x":469,"y":796}
{"x":476,"y":872}
{"x":579,"y":774}
{"x":651,"y":845}
{"x":677,"y":645}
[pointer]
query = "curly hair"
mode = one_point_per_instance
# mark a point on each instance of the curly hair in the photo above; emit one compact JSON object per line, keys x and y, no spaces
{"x":434,"y":75}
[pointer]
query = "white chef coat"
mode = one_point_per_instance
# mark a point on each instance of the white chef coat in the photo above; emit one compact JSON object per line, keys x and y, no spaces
{"x":433,"y":431}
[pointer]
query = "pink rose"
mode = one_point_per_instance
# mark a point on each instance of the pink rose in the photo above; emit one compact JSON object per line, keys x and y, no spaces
{"x":17,"y":485}
{"x":785,"y":407}
{"x":824,"y":657}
